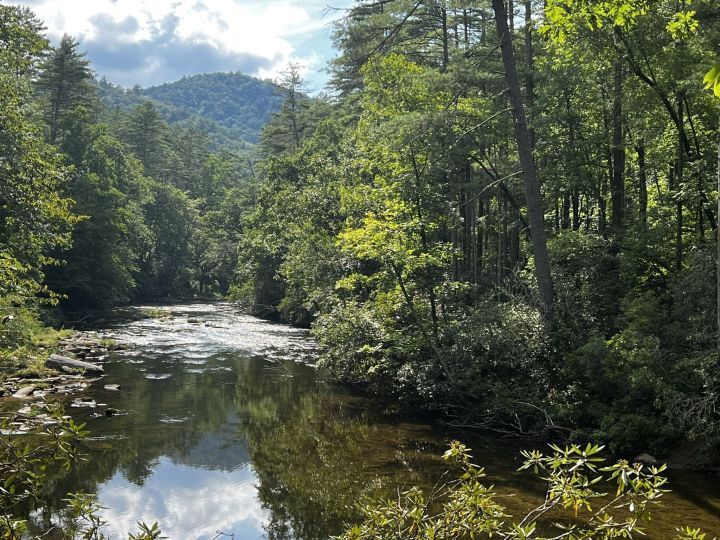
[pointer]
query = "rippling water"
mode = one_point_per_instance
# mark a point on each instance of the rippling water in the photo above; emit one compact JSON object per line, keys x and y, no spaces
{"x":226,"y":427}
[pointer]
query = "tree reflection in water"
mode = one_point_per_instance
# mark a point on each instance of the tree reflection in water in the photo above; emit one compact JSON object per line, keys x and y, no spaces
{"x":235,"y":441}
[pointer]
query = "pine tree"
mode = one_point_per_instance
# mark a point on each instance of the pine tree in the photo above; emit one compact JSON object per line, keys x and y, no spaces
{"x":288,"y":126}
{"x":146,"y":133}
{"x":66,"y":83}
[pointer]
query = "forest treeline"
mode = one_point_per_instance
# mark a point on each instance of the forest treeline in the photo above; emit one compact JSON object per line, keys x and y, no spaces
{"x":100,"y":205}
{"x":507,"y":212}
{"x":501,"y":212}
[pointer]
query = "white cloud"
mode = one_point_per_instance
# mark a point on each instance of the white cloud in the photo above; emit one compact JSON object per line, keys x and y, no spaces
{"x":134,"y":41}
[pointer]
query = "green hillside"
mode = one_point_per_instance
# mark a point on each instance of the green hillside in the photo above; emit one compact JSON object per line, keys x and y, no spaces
{"x":231,"y":107}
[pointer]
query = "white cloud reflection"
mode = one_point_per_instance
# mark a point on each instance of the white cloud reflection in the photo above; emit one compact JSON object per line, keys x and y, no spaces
{"x":186,"y":502}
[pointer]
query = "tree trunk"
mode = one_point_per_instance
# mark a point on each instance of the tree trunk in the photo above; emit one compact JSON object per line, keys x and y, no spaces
{"x":527,"y":162}
{"x":466,"y":28}
{"x":445,"y":38}
{"x":530,"y":67}
{"x":479,"y":238}
{"x":678,"y":188}
{"x":57,"y":100}
{"x":565,"y":223}
{"x":642,"y":183}
{"x":618,"y":177}
{"x":602,"y":206}
{"x":717,"y":271}
{"x":575,"y":209}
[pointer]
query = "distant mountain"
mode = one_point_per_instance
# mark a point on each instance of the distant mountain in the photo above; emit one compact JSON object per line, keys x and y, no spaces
{"x":231,"y":107}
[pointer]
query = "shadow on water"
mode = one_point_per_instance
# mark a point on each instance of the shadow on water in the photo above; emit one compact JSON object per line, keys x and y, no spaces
{"x":226,"y":429}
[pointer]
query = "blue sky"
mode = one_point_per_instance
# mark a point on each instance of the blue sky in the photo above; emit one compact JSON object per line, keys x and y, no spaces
{"x":148,"y":42}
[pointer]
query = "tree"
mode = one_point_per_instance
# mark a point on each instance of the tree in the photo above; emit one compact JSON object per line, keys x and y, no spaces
{"x":111,"y":193}
{"x":147,"y":135}
{"x":533,"y":197}
{"x":22,"y":42}
{"x":35,"y":218}
{"x":285,"y":131}
{"x":171,"y":218}
{"x":712,"y":82}
{"x":66,"y":84}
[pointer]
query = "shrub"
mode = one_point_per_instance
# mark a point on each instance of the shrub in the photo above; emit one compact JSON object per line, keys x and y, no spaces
{"x":466,"y":508}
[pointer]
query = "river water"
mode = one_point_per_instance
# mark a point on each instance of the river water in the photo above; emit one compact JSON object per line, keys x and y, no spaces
{"x":228,"y":429}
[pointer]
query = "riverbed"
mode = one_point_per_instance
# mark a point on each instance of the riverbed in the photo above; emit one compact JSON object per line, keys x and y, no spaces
{"x":226,"y":428}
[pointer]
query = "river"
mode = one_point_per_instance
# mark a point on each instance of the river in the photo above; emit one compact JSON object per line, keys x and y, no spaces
{"x":227,"y":428}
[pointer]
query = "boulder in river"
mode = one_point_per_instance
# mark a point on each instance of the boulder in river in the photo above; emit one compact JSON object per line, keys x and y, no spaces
{"x":84,"y":402}
{"x":645,"y":459}
{"x":24,"y":392}
{"x":60,"y":362}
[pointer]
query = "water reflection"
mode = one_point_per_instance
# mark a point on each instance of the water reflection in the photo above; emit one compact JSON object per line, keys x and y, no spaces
{"x":225,"y":431}
{"x":190,"y":503}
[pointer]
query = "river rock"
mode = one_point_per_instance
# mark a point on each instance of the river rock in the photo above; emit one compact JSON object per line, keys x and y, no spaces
{"x":110,"y":412}
{"x":59,"y":362}
{"x":113,"y":387}
{"x":25,"y":391}
{"x":84,"y":402}
{"x":645,"y":459}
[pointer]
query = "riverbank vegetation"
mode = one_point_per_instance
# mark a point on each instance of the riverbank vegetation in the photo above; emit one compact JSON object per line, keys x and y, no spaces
{"x":519,"y":233}
{"x":506,"y":218}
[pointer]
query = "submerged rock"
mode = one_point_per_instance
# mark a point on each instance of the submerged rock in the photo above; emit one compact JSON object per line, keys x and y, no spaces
{"x":110,"y":412}
{"x":63,"y":362}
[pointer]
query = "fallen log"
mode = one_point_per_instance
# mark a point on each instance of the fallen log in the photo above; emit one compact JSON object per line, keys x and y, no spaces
{"x":59,"y":362}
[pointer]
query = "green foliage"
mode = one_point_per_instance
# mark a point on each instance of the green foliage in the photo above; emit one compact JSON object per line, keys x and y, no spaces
{"x":111,"y":194}
{"x":171,"y":220}
{"x":231,"y":107}
{"x":22,"y":41}
{"x":34,"y":217}
{"x":18,"y":323}
{"x":413,"y":264}
{"x":24,"y":467}
{"x":712,"y":80}
{"x":65,"y":86}
{"x":576,"y":479}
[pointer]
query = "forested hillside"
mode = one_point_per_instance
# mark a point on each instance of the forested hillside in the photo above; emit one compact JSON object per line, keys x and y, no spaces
{"x":231,"y":108}
{"x":102,"y":206}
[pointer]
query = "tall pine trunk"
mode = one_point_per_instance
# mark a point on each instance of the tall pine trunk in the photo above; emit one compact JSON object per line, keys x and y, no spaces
{"x":530,"y":68}
{"x":617,"y":191}
{"x":527,"y":162}
{"x":642,"y":183}
{"x":680,"y":178}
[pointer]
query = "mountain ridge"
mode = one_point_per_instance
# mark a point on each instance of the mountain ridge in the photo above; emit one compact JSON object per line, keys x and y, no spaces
{"x":230,"y":106}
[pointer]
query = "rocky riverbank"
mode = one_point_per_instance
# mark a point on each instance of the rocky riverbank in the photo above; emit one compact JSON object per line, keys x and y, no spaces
{"x":76,"y":364}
